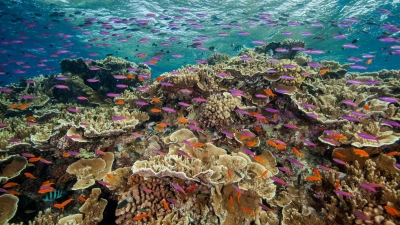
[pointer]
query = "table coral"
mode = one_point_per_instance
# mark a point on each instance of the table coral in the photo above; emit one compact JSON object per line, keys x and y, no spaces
{"x":8,"y":207}
{"x":90,"y":170}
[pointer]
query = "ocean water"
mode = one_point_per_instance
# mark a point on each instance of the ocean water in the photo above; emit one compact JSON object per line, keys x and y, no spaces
{"x":32,"y":31}
{"x":287,"y":143}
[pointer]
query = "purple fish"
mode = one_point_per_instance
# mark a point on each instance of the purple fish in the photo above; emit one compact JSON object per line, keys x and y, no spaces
{"x":166,"y":84}
{"x":179,"y":188}
{"x":247,"y":151}
{"x":172,"y":201}
{"x":184,"y":154}
{"x":343,"y":193}
{"x":73,"y":110}
{"x":120,"y":77}
{"x":368,"y":187}
{"x":264,"y":207}
{"x":282,"y":91}
{"x":74,"y":153}
{"x":2,"y":190}
{"x":314,"y":64}
{"x":286,"y":77}
{"x":339,"y":161}
{"x":261,"y":96}
{"x":271,"y":110}
{"x":113,"y":95}
{"x":188,"y":143}
{"x":238,"y":189}
{"x":348,"y":102}
{"x":310,"y":143}
{"x":324,"y":168}
{"x":199,"y":100}
{"x":362,"y":216}
{"x":227,"y":133}
{"x":354,"y":82}
{"x":305,"y":105}
{"x":294,"y":161}
{"x":312,"y":115}
{"x":389,"y":99}
{"x":60,"y":86}
{"x":121,"y":86}
{"x":279,"y":180}
{"x":243,"y":112}
{"x":167,"y":109}
{"x":358,"y":67}
{"x":349,"y":46}
{"x":291,"y":126}
{"x":368,"y":137}
{"x":286,"y":170}
{"x":248,"y":134}
{"x":289,"y":66}
{"x":391,"y":123}
{"x":350,"y":118}
{"x":184,"y":104}
{"x":194,"y":128}
{"x":91,"y":80}
{"x":82,"y":98}
{"x":141,"y":103}
{"x":117,"y":118}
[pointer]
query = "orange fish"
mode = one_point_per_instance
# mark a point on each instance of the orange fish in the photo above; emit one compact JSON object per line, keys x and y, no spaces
{"x":130,"y":76}
{"x":14,"y":192}
{"x":369,"y":61}
{"x":141,"y":216}
{"x":338,"y":154}
{"x":141,"y":78}
{"x":263,"y":174}
{"x":231,"y":202}
{"x":257,"y":129}
{"x":44,"y":191}
{"x":323,"y":71}
{"x":63,"y":204}
{"x":337,"y":186}
{"x":251,"y":143}
{"x":280,"y":147}
{"x":156,"y":100}
{"x":339,"y":137}
{"x":312,"y":178}
{"x":29,"y":175}
{"x":392,"y":211}
{"x":269,"y":92}
{"x":66,"y":155}
{"x":199,"y":144}
{"x":297,"y":152}
{"x":259,"y":159}
{"x":120,"y":102}
{"x":10,"y":184}
{"x":230,"y":175}
{"x":271,"y":143}
{"x":110,"y":176}
{"x":24,"y":106}
{"x":166,"y":206}
{"x":153,"y":61}
{"x":155,"y":110}
{"x":247,"y":210}
{"x":183,"y":120}
{"x":360,"y":152}
{"x":238,"y":196}
{"x":393,"y":153}
{"x":34,"y":159}
{"x":47,"y":183}
{"x":81,"y":198}
{"x":366,"y":107}
{"x":159,"y":78}
{"x":316,"y":172}
{"x":191,"y":188}
{"x":13,"y":106}
{"x":275,"y":116}
{"x":31,"y":118}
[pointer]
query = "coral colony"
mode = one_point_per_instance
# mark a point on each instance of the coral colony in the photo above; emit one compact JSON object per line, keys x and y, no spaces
{"x":265,"y":137}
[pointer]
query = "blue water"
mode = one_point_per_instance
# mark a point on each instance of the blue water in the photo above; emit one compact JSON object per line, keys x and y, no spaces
{"x":31,"y":23}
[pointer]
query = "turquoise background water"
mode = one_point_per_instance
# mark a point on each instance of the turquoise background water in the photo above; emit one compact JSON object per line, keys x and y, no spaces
{"x":31,"y":23}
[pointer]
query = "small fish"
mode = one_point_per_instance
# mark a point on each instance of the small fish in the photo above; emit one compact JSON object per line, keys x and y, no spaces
{"x":148,"y":191}
{"x":182,"y":120}
{"x":141,"y":216}
{"x":179,"y":188}
{"x":291,"y":126}
{"x":63,"y":204}
{"x":29,"y":175}
{"x":279,"y":180}
{"x":172,"y":201}
{"x":99,"y":152}
{"x":297,"y":152}
{"x":263,"y":174}
{"x":343,"y":193}
{"x":360,"y":152}
{"x":294,"y":161}
{"x":184,"y":154}
{"x":247,"y":210}
{"x":124,"y":203}
{"x":231,"y":202}
{"x":10,"y":184}
{"x":230,"y":175}
{"x":264,"y":207}
{"x":106,"y":184}
{"x":166,"y":206}
{"x":82,"y":199}
{"x":286,"y":170}
{"x":391,"y":210}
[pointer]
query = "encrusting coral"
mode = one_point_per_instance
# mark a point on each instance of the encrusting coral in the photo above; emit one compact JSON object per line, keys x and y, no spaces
{"x":8,"y":207}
